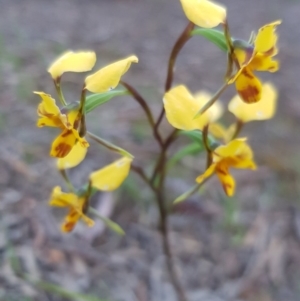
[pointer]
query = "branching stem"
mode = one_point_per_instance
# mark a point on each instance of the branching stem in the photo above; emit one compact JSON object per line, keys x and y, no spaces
{"x":183,"y":38}
{"x":135,"y":94}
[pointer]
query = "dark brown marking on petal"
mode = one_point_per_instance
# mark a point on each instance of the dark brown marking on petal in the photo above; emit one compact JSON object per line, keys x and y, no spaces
{"x":221,"y":171}
{"x":272,"y":69}
{"x":62,"y":150}
{"x":76,"y":124}
{"x":42,"y":112}
{"x":270,"y":51}
{"x":73,"y":214}
{"x":67,"y":133}
{"x":247,"y":74}
{"x":69,"y":226}
{"x":84,"y":143}
{"x":250,"y":94}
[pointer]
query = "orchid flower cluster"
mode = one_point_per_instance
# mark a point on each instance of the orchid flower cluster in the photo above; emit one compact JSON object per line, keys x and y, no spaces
{"x":70,"y":146}
{"x":195,"y":115}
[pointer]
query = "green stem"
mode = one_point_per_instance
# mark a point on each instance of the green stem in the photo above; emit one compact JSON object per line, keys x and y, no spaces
{"x":230,"y":45}
{"x":67,"y":179}
{"x":167,"y":248}
{"x":206,"y":145}
{"x":161,"y":160}
{"x":59,"y":91}
{"x":238,"y":127}
{"x":82,"y":126}
{"x":163,"y":212}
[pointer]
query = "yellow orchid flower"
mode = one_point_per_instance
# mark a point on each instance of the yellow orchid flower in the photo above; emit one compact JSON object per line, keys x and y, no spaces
{"x":109,"y":77}
{"x":111,"y":176}
{"x":262,"y":110}
{"x":72,"y":62}
{"x":50,"y":115}
{"x":107,"y":178}
{"x":256,"y":57}
{"x":204,"y":13}
{"x":181,"y":107}
{"x":76,"y":206}
{"x":236,"y":154}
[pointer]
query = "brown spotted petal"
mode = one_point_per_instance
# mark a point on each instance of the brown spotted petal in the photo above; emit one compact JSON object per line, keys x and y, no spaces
{"x":248,"y":86}
{"x":63,"y":144}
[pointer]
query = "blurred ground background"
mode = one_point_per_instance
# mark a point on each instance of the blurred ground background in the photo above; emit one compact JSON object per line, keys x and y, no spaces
{"x":243,"y":248}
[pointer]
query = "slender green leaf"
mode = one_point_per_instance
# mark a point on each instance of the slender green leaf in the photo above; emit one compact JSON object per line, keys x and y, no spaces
{"x":95,"y":100}
{"x":196,"y":136}
{"x":191,"y":191}
{"x":215,"y":36}
{"x":110,"y":146}
{"x":190,"y":149}
{"x":187,"y":194}
{"x":109,"y":223}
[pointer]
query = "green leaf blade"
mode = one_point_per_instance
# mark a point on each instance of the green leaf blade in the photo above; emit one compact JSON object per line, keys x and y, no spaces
{"x":187,"y":194}
{"x":215,"y":36}
{"x":196,"y":136}
{"x":108,"y":222}
{"x":95,"y":100}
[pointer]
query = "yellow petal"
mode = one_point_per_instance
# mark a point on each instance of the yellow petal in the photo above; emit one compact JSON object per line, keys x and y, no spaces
{"x":207,"y":173}
{"x":88,"y":220}
{"x":266,"y":39}
{"x":217,"y":130}
{"x":243,"y":55}
{"x":235,"y":148}
{"x":248,"y":86}
{"x":81,"y":140}
{"x":262,"y":110}
{"x":49,"y":112}
{"x":241,"y":163}
{"x":61,"y":199}
{"x":220,"y":132}
{"x":181,"y":108}
{"x":111,"y":176}
{"x":76,"y":155}
{"x":204,"y":13}
{"x":48,"y":105}
{"x":73,"y":116}
{"x":109,"y":77}
{"x":72,"y":62}
{"x":263,"y":63}
{"x":226,"y":179}
{"x":63,"y":144}
{"x":46,"y":121}
{"x":70,"y":220}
